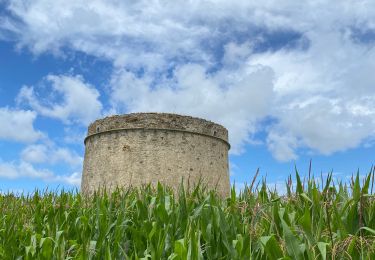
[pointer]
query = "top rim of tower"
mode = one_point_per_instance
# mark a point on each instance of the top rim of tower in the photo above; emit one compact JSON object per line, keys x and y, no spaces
{"x":161,"y":121}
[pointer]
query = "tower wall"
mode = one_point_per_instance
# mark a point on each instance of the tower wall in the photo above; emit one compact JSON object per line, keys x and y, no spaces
{"x":143,"y":148}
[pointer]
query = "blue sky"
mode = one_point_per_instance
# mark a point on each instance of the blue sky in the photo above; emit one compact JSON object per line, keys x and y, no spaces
{"x":291,"y":81}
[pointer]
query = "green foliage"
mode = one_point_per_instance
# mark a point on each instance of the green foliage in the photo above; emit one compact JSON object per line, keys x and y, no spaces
{"x":315,"y":220}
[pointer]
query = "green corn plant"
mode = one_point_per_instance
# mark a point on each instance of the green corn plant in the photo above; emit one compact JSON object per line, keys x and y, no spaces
{"x":316,"y":219}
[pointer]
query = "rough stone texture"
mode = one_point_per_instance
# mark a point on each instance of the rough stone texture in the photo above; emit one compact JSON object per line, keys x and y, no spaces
{"x":143,"y":148}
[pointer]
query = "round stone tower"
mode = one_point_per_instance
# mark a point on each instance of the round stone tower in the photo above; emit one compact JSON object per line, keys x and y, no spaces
{"x":140,"y":148}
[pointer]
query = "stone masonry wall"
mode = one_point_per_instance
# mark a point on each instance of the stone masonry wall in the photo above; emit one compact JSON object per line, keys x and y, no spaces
{"x":146,"y":148}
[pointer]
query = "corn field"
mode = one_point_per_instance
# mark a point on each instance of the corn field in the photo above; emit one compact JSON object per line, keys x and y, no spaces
{"x":315,"y":219}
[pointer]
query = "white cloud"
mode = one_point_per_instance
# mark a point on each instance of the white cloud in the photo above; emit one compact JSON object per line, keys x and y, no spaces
{"x":235,"y":99}
{"x":8,"y":170}
{"x":73,"y":179}
{"x":145,"y":32}
{"x":40,"y":153}
{"x":17,"y":125}
{"x":79,"y":100}
{"x":13,"y":170}
{"x":74,"y":135}
{"x":66,"y":156}
{"x":318,"y":86}
{"x":35,"y":153}
{"x":282,"y":145}
{"x":325,"y":125}
{"x":233,"y":169}
{"x":325,"y":96}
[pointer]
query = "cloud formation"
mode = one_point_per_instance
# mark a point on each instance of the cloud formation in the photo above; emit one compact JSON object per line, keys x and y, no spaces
{"x":12,"y":170}
{"x":78,"y":100}
{"x":325,"y":96}
{"x":40,"y":153}
{"x":17,"y":125}
{"x":233,"y":62}
{"x":236,"y":99}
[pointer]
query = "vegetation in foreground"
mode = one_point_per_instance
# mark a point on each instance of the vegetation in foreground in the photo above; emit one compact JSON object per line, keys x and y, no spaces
{"x":312,"y":221}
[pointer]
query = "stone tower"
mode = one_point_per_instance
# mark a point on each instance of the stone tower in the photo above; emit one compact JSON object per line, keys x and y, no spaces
{"x":140,"y":148}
